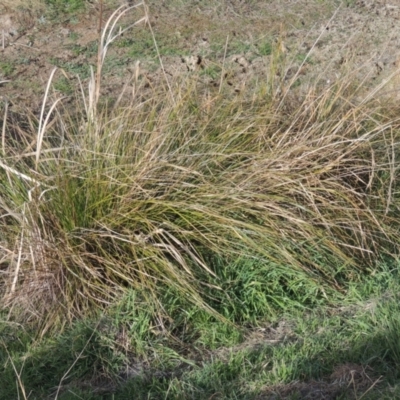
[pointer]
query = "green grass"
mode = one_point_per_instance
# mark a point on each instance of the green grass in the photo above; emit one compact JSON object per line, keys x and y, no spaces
{"x":321,"y":347}
{"x":6,"y":68}
{"x":141,"y":46}
{"x":63,"y":85}
{"x":65,"y":6}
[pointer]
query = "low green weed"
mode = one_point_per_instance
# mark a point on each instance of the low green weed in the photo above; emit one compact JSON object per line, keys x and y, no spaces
{"x":65,"y":6}
{"x":75,"y":68}
{"x":64,"y":86}
{"x":6,"y":68}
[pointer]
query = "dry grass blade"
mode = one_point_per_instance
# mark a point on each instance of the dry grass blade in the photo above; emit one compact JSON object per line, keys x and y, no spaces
{"x":42,"y":122}
{"x":3,"y":130}
{"x":64,"y":377}
{"x":108,"y":35}
{"x":18,"y":375}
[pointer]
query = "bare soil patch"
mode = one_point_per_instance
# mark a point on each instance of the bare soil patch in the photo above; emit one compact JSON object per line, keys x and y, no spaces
{"x":222,"y":43}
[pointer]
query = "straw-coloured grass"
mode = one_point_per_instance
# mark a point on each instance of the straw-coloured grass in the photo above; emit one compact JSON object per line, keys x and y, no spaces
{"x":143,"y":197}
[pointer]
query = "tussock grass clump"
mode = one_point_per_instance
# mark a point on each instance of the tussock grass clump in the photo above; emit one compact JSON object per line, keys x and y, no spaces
{"x":149,"y":195}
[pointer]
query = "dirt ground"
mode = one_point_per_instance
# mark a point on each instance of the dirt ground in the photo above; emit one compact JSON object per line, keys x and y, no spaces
{"x":224,"y":43}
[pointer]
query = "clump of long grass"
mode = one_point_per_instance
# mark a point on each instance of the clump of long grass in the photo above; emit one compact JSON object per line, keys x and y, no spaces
{"x":149,"y":194}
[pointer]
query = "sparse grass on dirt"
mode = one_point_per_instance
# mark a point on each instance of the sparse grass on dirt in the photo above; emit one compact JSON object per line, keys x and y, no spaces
{"x":177,"y":241}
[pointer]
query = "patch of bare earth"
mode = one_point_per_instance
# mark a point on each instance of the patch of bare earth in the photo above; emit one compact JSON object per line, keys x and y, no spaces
{"x":225,"y":44}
